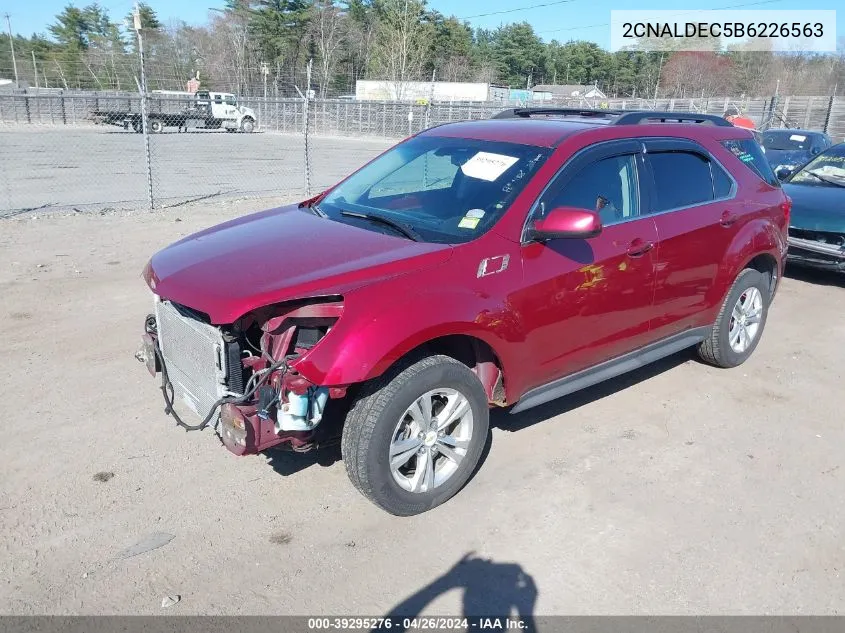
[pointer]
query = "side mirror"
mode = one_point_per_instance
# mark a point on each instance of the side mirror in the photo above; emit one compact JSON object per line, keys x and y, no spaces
{"x":783,"y":173}
{"x":565,"y":222}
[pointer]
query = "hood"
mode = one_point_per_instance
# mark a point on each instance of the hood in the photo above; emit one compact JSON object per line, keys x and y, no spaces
{"x":787,"y":157}
{"x":278,"y":255}
{"x":817,"y":208}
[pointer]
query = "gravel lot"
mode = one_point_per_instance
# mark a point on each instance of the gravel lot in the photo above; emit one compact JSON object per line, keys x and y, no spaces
{"x":681,"y":489}
{"x":103,"y":166}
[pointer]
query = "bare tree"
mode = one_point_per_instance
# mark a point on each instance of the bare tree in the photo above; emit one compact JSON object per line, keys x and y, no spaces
{"x":401,"y":44}
{"x":329,"y":31}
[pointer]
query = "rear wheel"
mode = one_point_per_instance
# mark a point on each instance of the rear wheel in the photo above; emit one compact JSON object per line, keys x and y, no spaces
{"x":156,"y":126}
{"x":414,"y":438}
{"x":740,"y":323}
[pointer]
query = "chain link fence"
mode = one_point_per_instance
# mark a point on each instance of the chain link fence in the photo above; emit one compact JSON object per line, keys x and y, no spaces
{"x":62,"y":150}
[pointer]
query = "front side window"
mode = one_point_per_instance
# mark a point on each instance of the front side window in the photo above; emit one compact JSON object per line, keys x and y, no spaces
{"x":230,"y":100}
{"x":607,"y":186}
{"x":447,"y":190}
{"x":681,"y":179}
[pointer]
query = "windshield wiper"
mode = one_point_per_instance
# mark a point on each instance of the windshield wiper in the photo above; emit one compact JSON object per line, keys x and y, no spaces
{"x":397,"y":226}
{"x":316,"y":210}
{"x":827,"y":180}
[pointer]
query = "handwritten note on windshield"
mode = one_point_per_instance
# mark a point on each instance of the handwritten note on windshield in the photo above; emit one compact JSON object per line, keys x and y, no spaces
{"x":487,"y":166}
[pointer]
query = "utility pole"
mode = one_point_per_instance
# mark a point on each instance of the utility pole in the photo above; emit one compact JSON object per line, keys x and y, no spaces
{"x":12,"y":46}
{"x":136,"y":16}
{"x":265,"y":71}
{"x":305,"y":122}
{"x":35,"y":68}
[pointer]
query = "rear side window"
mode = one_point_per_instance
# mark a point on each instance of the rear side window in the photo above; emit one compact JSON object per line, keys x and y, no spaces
{"x":722,"y":184}
{"x":749,"y":152}
{"x":681,"y":179}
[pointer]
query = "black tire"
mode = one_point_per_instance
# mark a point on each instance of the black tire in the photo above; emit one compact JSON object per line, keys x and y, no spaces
{"x":247,"y":125}
{"x":717,"y":349}
{"x":373,"y":418}
{"x":156,"y":126}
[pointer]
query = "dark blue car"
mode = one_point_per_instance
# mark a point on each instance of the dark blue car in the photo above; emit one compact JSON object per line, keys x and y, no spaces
{"x":789,"y":149}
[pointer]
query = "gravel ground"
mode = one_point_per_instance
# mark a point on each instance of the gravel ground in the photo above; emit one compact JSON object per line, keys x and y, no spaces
{"x":103,"y":166}
{"x":682,"y":489}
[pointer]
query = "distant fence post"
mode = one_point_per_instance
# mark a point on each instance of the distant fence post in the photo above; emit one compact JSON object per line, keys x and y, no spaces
{"x":26,"y":108}
{"x":827,"y":115}
{"x":64,"y":111}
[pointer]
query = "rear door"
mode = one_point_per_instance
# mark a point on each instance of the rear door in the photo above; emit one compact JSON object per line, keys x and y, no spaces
{"x":588,"y":300}
{"x":697,"y":215}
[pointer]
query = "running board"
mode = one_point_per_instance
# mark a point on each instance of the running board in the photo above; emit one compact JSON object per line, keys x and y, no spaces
{"x":610,"y":369}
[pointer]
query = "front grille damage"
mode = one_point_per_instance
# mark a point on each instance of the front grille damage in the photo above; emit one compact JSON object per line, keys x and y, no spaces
{"x":242,"y":375}
{"x":817,"y":248}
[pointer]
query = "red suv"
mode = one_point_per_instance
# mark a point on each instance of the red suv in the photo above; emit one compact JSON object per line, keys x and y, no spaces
{"x":497,"y":263}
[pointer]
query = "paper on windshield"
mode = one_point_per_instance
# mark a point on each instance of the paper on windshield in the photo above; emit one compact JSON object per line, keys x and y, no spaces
{"x":798,"y":137}
{"x":487,"y":166}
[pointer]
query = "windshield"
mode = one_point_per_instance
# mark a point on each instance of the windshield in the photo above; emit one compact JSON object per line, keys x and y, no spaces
{"x":788,"y":140}
{"x":446,"y":190}
{"x":825,"y":170}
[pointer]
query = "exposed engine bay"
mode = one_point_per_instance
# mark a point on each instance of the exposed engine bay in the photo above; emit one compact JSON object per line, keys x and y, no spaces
{"x":242,"y":378}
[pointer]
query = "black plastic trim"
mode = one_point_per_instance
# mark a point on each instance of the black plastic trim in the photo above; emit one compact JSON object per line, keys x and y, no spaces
{"x":611,"y":368}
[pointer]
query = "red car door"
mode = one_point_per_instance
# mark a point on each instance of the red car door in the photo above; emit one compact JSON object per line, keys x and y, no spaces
{"x":585,"y":301}
{"x":697,"y":214}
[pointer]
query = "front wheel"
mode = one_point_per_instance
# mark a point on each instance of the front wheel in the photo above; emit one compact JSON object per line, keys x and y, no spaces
{"x":247,"y":126}
{"x":415,"y":437}
{"x":740,"y":323}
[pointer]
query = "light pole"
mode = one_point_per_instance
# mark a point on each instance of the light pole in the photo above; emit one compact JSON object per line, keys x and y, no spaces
{"x":136,"y":18}
{"x":12,"y":46}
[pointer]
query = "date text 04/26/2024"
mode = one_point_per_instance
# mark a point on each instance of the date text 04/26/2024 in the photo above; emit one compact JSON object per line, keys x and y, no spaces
{"x":419,"y":623}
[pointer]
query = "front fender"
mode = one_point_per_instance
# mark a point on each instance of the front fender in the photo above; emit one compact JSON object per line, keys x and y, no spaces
{"x":372,"y":335}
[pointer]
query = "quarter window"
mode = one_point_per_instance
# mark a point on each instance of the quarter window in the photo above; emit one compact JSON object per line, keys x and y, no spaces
{"x":751,"y":155}
{"x":608,"y":186}
{"x":681,"y":179}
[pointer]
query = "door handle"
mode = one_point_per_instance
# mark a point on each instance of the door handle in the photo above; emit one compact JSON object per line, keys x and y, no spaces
{"x":727,"y":219}
{"x":639,"y":247}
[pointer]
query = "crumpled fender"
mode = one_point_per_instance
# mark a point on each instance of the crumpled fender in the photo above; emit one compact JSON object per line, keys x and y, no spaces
{"x":365,"y":341}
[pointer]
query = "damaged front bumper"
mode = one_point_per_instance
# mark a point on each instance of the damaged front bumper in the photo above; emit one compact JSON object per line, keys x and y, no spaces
{"x":277,"y":406}
{"x":817,"y":253}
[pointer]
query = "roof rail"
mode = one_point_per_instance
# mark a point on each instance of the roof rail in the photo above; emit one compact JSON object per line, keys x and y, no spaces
{"x":618,"y":117}
{"x":524,"y":113}
{"x":644,"y":116}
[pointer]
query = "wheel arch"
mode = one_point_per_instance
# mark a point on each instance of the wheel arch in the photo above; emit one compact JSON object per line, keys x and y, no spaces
{"x":474,"y":352}
{"x":357,"y":361}
{"x":758,"y":245}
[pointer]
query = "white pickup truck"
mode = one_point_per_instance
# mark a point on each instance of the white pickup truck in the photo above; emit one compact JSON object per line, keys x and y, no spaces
{"x":223,"y":111}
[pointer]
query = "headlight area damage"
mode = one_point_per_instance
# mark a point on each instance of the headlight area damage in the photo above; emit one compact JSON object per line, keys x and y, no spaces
{"x":242,"y":378}
{"x":817,"y":248}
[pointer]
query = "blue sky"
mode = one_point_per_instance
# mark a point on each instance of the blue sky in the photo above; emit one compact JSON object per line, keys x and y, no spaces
{"x":562,"y":20}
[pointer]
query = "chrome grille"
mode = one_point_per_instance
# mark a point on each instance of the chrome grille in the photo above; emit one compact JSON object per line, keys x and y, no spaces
{"x":193,"y":356}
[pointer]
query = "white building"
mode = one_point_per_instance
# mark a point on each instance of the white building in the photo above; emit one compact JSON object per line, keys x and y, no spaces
{"x":422,"y":91}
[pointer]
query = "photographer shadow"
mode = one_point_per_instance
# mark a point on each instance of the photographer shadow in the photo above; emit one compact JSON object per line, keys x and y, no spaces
{"x":490,"y":590}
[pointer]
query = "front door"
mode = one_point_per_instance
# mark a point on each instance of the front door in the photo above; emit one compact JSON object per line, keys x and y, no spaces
{"x":585,"y":301}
